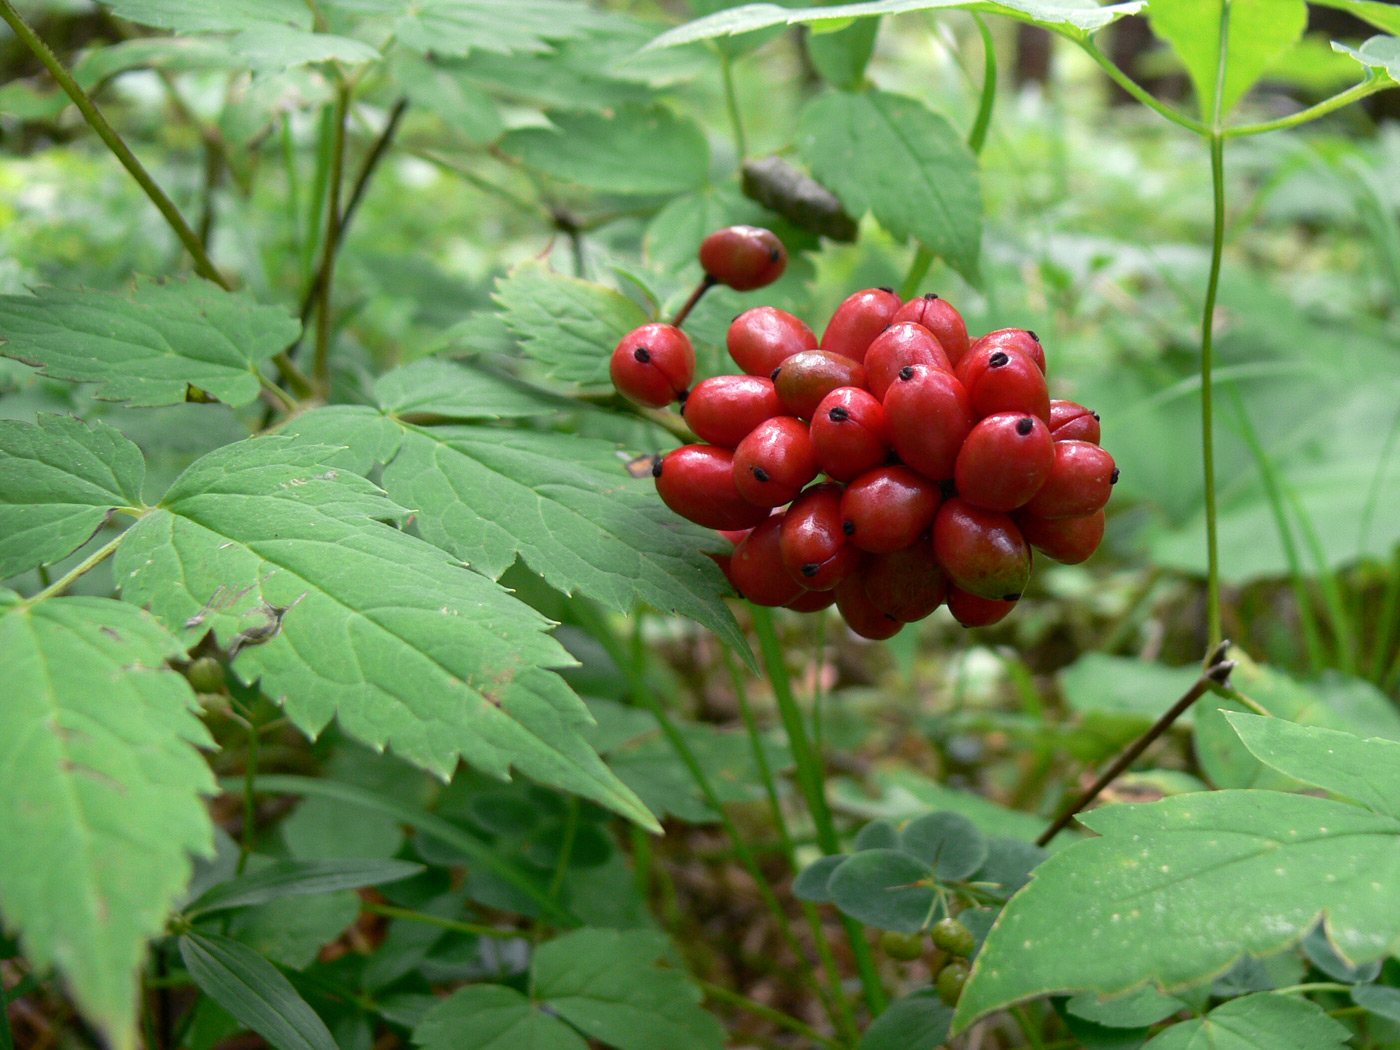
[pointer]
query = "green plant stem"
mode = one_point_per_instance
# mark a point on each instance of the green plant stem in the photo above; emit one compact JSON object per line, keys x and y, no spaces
{"x":250,"y":798}
{"x":782,"y":1020}
{"x":86,"y":565}
{"x":1217,"y":171}
{"x":731,"y":102}
{"x":1316,"y":986}
{"x":390,"y":911}
{"x":977,"y":137}
{"x":1138,"y":92}
{"x":812,"y":781}
{"x":918,"y":268}
{"x":203,"y":265}
{"x":566,"y":849}
{"x":325,"y":277}
{"x":1369,"y":86}
{"x":1023,"y":1020}
{"x":1386,"y":621}
{"x":277,"y":393}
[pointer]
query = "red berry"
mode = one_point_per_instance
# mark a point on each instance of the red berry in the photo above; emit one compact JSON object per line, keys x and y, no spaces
{"x":1068,"y":540}
{"x":929,"y":414}
{"x":982,"y":551}
{"x":888,"y":509}
{"x":858,"y":320}
{"x":1080,"y":482}
{"x":860,"y":612}
{"x":1004,"y":461}
{"x":849,"y":436}
{"x":724,"y":409}
{"x":756,"y":567}
{"x":697,"y":482}
{"x":1021,"y":339}
{"x":743,"y":257}
{"x":653,"y":364}
{"x":804,"y":379}
{"x":1073,"y":422}
{"x":734,"y":536}
{"x":761,"y":339}
{"x":1001,"y":379}
{"x":775,"y":462}
{"x":906,"y":584}
{"x":816,"y":553}
{"x":940,"y":318}
{"x":903,"y":343}
{"x":972,"y":611}
{"x":812,"y":601}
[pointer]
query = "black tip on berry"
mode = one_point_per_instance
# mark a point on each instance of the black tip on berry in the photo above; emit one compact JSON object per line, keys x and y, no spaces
{"x":906,"y":373}
{"x":1094,"y":414}
{"x":839,"y":415}
{"x":848,"y":527}
{"x":1011,"y":597}
{"x":681,"y":395}
{"x":885,"y":288}
{"x":656,"y":468}
{"x":997,"y":359}
{"x":1025,"y":425}
{"x":735,"y":318}
{"x":774,"y":254}
{"x":930,"y":296}
{"x":1032,"y":335}
{"x":892,"y":619}
{"x":887,"y":327}
{"x":774,"y":377}
{"x":759,"y":473}
{"x":810,"y":569}
{"x":642,"y":354}
{"x":1113,"y":478}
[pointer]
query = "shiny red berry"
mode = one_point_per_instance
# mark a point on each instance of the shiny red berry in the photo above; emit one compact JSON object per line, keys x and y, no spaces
{"x":653,"y":364}
{"x":756,"y":567}
{"x":723,"y":410}
{"x":902,"y":343}
{"x":982,"y":551}
{"x":849,"y":435}
{"x":940,"y":318}
{"x":816,"y":553}
{"x":889,"y":508}
{"x":1067,"y":540}
{"x":1080,"y":482}
{"x":775,"y":462}
{"x":812,"y":601}
{"x":972,"y":611}
{"x":1004,"y":461}
{"x":1021,"y":339}
{"x":697,"y":482}
{"x":858,"y":320}
{"x":907,"y":584}
{"x":804,"y":379}
{"x":929,"y":415}
{"x":743,"y":257}
{"x":1002,"y":379}
{"x":761,"y":339}
{"x":860,"y":613}
{"x":1070,"y":421}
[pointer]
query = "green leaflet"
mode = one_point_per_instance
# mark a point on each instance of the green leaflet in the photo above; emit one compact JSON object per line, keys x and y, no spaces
{"x":456,"y":27}
{"x":1175,"y":891}
{"x":59,"y":481}
{"x":1257,"y":1022}
{"x":146,"y":346}
{"x":100,"y":780}
{"x":288,"y":562}
{"x":187,"y":16}
{"x":1380,"y":52}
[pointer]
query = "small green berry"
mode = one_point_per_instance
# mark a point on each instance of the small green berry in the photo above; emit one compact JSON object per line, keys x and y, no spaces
{"x":902,"y":946}
{"x":953,"y":937}
{"x":951,"y":980}
{"x":206,"y":675}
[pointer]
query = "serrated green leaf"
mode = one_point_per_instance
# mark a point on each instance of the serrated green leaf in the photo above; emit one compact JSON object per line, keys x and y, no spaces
{"x":1379,"y":13}
{"x":1365,"y":770}
{"x":456,"y":27}
{"x":1379,"y":52}
{"x":1266,"y":1021}
{"x":493,"y":1017}
{"x":252,"y":990}
{"x":144,"y":347}
{"x":1072,"y":17}
{"x":444,"y":88}
{"x":59,"y":481}
{"x":296,"y":878}
{"x":1259,"y":32}
{"x":171,"y":53}
{"x":884,"y":888}
{"x":569,"y":326}
{"x":895,"y":157}
{"x":288,"y":561}
{"x":274,"y":47}
{"x":1137,"y":1009}
{"x":633,"y":149}
{"x":368,"y":437}
{"x":916,"y":1022}
{"x":101,"y":781}
{"x":183,"y":16}
{"x":567,"y":507}
{"x":1175,"y":891}
{"x":446,"y":388}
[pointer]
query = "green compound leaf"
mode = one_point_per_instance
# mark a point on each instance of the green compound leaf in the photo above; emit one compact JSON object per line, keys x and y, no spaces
{"x":59,"y":481}
{"x":1175,"y":891}
{"x":253,"y":991}
{"x":1259,"y":33}
{"x":884,"y":888}
{"x":1379,"y":999}
{"x":299,"y":878}
{"x":948,"y":843}
{"x":895,"y":157}
{"x":1365,"y":770}
{"x":1075,"y":18}
{"x":1379,"y":13}
{"x":605,"y":983}
{"x":1137,"y":1009}
{"x":568,"y":508}
{"x":456,"y":27}
{"x":446,"y":388}
{"x":569,"y":326}
{"x":289,"y":563}
{"x":1380,"y":52}
{"x":633,"y":149}
{"x":276,"y":47}
{"x":916,"y":1022}
{"x":100,"y":780}
{"x":183,"y":16}
{"x":1265,"y":1021}
{"x":144,"y":347}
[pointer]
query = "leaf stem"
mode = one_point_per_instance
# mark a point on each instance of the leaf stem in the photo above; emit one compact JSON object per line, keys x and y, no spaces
{"x":811,"y":778}
{"x":86,"y":565}
{"x":731,"y":102}
{"x":1135,"y":89}
{"x":203,"y":265}
{"x":977,"y":137}
{"x":782,"y":1020}
{"x":1369,"y":86}
{"x":918,"y":267}
{"x":706,"y":283}
{"x":320,"y":368}
{"x":250,"y":800}
{"x":390,"y":911}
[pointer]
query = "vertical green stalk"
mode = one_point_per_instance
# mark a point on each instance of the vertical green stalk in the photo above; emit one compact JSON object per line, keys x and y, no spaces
{"x":1386,"y":622}
{"x":320,"y":370}
{"x":250,"y":802}
{"x":731,"y":101}
{"x":811,"y":778}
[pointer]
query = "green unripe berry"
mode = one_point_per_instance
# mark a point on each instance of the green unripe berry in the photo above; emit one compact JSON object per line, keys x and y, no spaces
{"x":902,"y":946}
{"x":206,"y":675}
{"x":951,"y":980}
{"x":953,"y":937}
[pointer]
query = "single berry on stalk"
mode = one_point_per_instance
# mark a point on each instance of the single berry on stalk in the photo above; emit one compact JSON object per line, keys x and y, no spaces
{"x":903,"y":946}
{"x":953,"y":937}
{"x":743,"y":257}
{"x":653,"y":365}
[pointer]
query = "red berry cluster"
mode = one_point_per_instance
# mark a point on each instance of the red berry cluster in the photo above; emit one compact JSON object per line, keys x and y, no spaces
{"x":946,"y":459}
